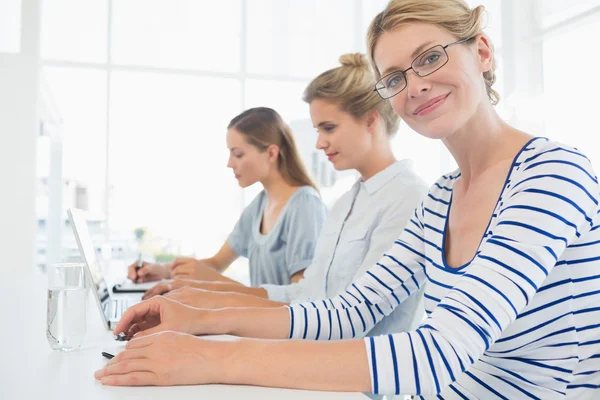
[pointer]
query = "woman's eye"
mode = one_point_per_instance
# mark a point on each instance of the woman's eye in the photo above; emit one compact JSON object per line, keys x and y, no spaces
{"x":430,"y":59}
{"x":394,"y":81}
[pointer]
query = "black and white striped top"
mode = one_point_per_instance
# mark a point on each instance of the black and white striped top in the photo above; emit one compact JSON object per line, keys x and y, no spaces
{"x":521,"y":320}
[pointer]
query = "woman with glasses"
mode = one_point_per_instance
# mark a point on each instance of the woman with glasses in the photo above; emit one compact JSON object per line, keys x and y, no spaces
{"x":354,"y":130}
{"x":508,"y":248}
{"x":278,"y":230}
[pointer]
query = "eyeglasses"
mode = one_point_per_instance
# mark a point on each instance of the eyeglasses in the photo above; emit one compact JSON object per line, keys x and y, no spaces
{"x":425,"y":64}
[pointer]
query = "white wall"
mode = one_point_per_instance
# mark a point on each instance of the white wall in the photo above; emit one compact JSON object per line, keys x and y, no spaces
{"x":18,"y":129}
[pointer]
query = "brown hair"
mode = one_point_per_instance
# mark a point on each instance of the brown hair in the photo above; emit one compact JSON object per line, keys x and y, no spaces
{"x":262,"y":127}
{"x":351,"y":86}
{"x":454,"y":16}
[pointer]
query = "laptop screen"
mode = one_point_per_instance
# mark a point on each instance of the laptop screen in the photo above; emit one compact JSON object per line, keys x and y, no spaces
{"x":86,"y":246}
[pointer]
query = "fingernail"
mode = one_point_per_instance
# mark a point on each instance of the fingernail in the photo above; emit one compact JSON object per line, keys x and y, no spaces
{"x":106,"y":380}
{"x":98,"y":374}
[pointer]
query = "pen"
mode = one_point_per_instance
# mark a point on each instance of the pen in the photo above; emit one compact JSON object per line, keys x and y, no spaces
{"x":107,"y":355}
{"x":139,"y":265}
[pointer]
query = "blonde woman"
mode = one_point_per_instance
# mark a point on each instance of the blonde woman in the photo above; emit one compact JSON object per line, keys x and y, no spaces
{"x":278,"y":231}
{"x":508,"y":245}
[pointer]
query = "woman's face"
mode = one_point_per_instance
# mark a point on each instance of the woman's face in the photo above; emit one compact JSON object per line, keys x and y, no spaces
{"x":249,"y":164}
{"x":345,"y":140}
{"x":439,"y":104}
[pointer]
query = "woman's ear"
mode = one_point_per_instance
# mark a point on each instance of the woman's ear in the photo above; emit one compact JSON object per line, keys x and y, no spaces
{"x":372,"y":121}
{"x":272,"y":153}
{"x":485,"y":53}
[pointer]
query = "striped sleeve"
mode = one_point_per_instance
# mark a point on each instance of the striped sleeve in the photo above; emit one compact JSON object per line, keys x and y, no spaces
{"x":354,"y":313}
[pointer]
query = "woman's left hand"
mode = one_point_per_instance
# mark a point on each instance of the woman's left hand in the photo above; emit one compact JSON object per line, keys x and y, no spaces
{"x":167,"y":359}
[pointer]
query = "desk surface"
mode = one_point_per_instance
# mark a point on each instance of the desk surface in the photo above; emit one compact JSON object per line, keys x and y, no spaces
{"x":29,"y":369}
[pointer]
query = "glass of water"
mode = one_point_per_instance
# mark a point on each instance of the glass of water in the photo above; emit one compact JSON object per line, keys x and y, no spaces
{"x":67,"y":298}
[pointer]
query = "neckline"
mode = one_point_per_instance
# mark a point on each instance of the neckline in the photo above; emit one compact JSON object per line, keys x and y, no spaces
{"x":264,"y":236}
{"x":456,"y":270}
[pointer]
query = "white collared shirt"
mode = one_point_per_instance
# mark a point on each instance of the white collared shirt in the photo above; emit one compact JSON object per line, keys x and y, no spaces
{"x":359,"y":228}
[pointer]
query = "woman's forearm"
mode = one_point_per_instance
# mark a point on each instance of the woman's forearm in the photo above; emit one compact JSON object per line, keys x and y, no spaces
{"x":330,"y":366}
{"x":264,"y":323}
{"x":232,"y":288}
{"x":224,"y":299}
{"x":215,"y":264}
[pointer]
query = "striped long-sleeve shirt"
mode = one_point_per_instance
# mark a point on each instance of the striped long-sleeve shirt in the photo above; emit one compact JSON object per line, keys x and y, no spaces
{"x":521,"y":320}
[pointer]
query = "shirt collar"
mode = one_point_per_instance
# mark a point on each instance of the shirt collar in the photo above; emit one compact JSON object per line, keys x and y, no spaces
{"x":377,"y":181}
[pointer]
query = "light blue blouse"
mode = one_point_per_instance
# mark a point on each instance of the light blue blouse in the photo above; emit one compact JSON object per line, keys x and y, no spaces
{"x":289,"y":247}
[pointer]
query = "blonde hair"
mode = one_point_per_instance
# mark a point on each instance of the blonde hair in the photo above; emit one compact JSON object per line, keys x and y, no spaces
{"x":351,"y":86}
{"x":262,"y":127}
{"x":454,"y":16}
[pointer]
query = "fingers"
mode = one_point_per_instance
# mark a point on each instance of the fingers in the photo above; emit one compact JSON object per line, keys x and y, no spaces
{"x":128,"y":354}
{"x":151,"y":331}
{"x":139,"y":343}
{"x":141,"y":326}
{"x":137,"y":274}
{"x":123,"y":367}
{"x":144,"y":270}
{"x":131,"y":274}
{"x":138,"y":313}
{"x":157,"y":290}
{"x":131,"y":379}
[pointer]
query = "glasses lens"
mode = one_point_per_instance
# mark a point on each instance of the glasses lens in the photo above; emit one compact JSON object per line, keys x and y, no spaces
{"x":430,"y":61}
{"x":391,"y":84}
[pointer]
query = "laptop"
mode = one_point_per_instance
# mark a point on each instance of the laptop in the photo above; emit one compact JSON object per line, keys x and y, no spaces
{"x":111,"y":307}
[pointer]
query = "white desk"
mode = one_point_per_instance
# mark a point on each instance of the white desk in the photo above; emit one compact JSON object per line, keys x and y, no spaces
{"x":30,"y":370}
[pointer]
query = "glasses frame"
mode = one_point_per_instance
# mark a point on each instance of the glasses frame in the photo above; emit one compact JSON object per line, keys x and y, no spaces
{"x":377,"y":89}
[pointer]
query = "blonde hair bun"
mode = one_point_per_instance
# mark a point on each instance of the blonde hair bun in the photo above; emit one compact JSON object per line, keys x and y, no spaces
{"x":354,"y":60}
{"x":351,"y":87}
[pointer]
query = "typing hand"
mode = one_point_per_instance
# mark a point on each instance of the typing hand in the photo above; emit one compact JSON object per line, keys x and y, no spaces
{"x":157,"y":315}
{"x":166,"y":287}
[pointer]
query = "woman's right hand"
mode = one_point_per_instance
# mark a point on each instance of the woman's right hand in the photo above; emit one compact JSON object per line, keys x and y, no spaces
{"x":147,"y":272}
{"x":160,"y":314}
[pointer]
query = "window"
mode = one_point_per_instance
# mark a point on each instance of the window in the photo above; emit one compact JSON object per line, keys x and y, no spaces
{"x":74,"y":30}
{"x":299,"y":38}
{"x":183,"y":34}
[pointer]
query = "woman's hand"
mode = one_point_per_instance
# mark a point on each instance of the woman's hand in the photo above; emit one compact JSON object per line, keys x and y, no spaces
{"x":161,"y":314}
{"x":147,"y":272}
{"x":167,"y":358}
{"x":198,"y":298}
{"x":166,"y":287}
{"x":190,"y":268}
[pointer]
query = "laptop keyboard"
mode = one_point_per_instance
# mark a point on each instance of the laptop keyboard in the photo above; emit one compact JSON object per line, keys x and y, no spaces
{"x":117,"y":308}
